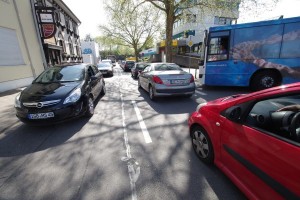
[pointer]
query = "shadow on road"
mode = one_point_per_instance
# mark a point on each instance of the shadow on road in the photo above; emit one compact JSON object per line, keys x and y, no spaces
{"x":25,"y":139}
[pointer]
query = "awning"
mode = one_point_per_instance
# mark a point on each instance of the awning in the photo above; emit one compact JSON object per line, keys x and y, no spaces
{"x":178,"y":35}
{"x":185,"y":34}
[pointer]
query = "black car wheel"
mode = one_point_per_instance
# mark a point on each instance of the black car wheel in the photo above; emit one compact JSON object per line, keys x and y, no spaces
{"x":202,"y":145}
{"x":151,"y":93}
{"x":103,"y":91}
{"x":90,"y":107}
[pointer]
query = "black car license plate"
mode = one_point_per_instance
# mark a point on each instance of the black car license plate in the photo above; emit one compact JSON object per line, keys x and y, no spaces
{"x":41,"y":115}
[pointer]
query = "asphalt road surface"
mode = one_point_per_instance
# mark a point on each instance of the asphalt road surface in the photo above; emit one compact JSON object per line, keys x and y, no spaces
{"x":132,"y":148}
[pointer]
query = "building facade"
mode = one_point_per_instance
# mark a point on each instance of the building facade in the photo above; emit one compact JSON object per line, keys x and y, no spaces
{"x":196,"y":20}
{"x":24,"y":51}
{"x":64,"y":46}
{"x":21,"y":57}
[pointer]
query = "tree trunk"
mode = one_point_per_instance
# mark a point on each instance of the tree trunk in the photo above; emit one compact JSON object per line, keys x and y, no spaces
{"x":136,"y":54}
{"x":169,"y":31}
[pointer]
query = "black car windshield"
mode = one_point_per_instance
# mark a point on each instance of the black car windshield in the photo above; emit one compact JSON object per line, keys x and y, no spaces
{"x":165,"y":67}
{"x":61,"y":74}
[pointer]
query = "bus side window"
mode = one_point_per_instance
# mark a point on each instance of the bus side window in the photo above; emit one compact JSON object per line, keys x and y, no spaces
{"x":218,"y":49}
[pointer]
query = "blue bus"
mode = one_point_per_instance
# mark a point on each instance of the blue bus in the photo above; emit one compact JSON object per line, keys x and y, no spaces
{"x":259,"y":55}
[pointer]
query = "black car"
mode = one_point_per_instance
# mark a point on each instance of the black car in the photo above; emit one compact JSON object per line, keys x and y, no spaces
{"x":128,"y":65}
{"x":138,"y":67}
{"x":60,"y":93}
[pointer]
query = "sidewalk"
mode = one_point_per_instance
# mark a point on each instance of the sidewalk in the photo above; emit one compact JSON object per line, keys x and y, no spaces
{"x":7,"y":111}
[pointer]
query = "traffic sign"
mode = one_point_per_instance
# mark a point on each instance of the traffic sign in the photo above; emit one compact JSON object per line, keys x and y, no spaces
{"x":190,"y":43}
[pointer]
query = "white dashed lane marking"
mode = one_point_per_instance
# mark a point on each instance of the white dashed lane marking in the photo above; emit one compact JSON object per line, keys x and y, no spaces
{"x":142,"y":123}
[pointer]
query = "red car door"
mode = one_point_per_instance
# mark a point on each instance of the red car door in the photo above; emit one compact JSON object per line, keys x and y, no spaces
{"x":262,"y":165}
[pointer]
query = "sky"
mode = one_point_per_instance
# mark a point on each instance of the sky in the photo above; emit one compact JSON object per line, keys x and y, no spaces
{"x":91,"y":13}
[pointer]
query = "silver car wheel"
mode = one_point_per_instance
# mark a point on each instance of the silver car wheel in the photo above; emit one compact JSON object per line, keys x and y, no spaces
{"x":200,"y":144}
{"x":151,"y":93}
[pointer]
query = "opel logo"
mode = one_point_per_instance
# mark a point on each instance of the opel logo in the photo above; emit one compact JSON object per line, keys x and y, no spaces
{"x":39,"y":105}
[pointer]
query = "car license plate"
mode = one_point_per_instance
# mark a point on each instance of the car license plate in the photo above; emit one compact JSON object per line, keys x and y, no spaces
{"x":104,"y":72}
{"x":178,"y":82}
{"x":41,"y":115}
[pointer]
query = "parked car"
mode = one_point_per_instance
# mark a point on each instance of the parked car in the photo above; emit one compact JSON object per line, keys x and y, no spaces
{"x":138,"y":67}
{"x":166,"y":79}
{"x":106,"y":68}
{"x":254,"y":139}
{"x":128,"y":65}
{"x":107,"y":61}
{"x":60,"y":93}
{"x":122,"y":63}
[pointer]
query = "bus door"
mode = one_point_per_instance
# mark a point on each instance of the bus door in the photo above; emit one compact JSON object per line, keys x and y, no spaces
{"x":217,"y":59}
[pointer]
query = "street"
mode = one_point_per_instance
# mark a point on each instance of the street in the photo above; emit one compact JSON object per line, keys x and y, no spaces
{"x":132,"y":148}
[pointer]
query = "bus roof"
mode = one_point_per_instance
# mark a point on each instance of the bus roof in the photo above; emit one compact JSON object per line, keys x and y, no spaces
{"x":253,"y":24}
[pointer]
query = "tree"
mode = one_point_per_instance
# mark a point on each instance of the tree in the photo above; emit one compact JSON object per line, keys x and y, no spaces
{"x":173,"y":10}
{"x":130,"y":25}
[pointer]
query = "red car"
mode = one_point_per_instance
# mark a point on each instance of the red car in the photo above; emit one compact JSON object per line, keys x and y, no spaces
{"x":254,"y":139}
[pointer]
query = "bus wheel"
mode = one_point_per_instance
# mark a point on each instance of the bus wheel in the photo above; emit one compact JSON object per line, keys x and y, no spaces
{"x":264,"y":80}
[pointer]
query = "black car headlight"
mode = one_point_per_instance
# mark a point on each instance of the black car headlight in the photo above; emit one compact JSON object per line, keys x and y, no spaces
{"x":73,"y":97}
{"x":17,"y":101}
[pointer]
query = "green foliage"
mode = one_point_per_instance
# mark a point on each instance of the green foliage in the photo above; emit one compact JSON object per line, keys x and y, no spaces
{"x":130,"y":25}
{"x":176,"y":9}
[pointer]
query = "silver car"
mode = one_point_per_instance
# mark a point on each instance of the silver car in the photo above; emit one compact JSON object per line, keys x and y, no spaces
{"x":106,"y":68}
{"x":166,"y":79}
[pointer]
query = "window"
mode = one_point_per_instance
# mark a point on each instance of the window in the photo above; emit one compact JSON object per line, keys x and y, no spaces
{"x":223,"y":20}
{"x":74,"y":28}
{"x":67,"y":24}
{"x":276,"y":115}
{"x":90,"y":71}
{"x":95,"y":69}
{"x":77,"y":48}
{"x":218,"y":46}
{"x":261,"y":42}
{"x":56,"y":17}
{"x":290,"y":43}
{"x":165,"y":67}
{"x":71,"y":46}
{"x":147,"y":69}
{"x":10,"y":48}
{"x":191,"y":18}
{"x":61,"y":41}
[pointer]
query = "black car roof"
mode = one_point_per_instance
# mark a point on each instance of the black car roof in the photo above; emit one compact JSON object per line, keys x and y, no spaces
{"x":71,"y":64}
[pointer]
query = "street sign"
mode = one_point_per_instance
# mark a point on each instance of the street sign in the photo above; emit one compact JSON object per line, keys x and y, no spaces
{"x":190,"y":43}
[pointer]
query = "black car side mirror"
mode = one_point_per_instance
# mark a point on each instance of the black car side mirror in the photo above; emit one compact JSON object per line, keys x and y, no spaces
{"x":234,"y":113}
{"x":93,"y":78}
